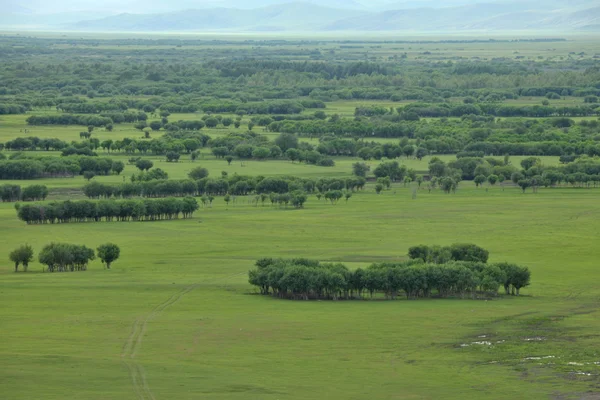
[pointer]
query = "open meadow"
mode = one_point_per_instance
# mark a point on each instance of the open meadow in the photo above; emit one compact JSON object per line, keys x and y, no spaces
{"x":175,"y":317}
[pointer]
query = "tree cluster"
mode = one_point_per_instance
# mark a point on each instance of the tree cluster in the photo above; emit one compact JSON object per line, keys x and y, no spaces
{"x":11,"y":193}
{"x":303,"y":279}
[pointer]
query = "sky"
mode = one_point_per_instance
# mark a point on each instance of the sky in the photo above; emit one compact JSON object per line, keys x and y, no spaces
{"x":150,"y":6}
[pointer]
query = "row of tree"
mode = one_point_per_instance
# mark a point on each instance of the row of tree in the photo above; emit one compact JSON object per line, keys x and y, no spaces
{"x":43,"y":167}
{"x":303,"y":279}
{"x":63,"y":257}
{"x":236,"y":185}
{"x":107,"y":210}
{"x":10,"y":193}
{"x":69,"y":119}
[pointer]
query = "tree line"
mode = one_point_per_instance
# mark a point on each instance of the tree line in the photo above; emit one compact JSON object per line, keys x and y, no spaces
{"x":107,"y":210}
{"x":64,"y":257}
{"x":69,"y":119}
{"x":43,"y":167}
{"x":304,"y":279}
{"x":201,"y":184}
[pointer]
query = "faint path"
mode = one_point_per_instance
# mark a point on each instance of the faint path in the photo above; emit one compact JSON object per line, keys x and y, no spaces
{"x":134,"y":340}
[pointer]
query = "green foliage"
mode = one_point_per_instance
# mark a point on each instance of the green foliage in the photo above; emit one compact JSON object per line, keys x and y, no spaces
{"x":302,"y":279}
{"x":22,"y":255}
{"x":108,"y":253}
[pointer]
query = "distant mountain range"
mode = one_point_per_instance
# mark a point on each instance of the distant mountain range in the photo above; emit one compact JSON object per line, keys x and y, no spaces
{"x":318,"y":16}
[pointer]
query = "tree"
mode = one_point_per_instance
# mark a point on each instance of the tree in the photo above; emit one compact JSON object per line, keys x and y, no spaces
{"x":493,"y":179}
{"x":118,"y":167}
{"x":144,"y":165}
{"x":334,"y":195}
{"x":251,"y":125}
{"x":156,"y":125}
{"x":365,"y":153}
{"x":420,"y":180}
{"x":140,"y":126}
{"x":227,"y":199}
{"x":261,"y":153}
{"x":287,"y":141}
{"x":194,"y":155}
{"x":109,"y":127}
{"x":173,"y":156}
{"x":360,"y":169}
{"x":348,"y":195}
{"x":378,"y":188}
{"x":530,"y":162}
{"x":421,"y":153}
{"x":88,"y":175}
{"x":292,"y":154}
{"x":408,"y":151}
{"x":22,"y":255}
{"x":211,"y":122}
{"x":524,"y":184}
{"x":229,"y":159}
{"x":480,"y":180}
{"x":108,"y":253}
{"x":198,"y":173}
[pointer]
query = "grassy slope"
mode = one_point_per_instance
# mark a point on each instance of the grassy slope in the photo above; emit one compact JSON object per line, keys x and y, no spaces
{"x":70,"y":331}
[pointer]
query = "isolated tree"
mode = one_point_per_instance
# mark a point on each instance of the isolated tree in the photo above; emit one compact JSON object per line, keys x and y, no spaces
{"x":492,"y":179}
{"x":108,"y":253}
{"x":360,"y":169}
{"x":194,"y":155}
{"x":144,"y":165}
{"x":408,"y":151}
{"x":198,"y":173}
{"x":378,"y":188}
{"x":90,"y":129}
{"x":348,"y":195}
{"x":140,"y":126}
{"x":229,"y":159}
{"x":109,"y":127}
{"x":251,"y":125}
{"x":22,"y":256}
{"x":227,"y":199}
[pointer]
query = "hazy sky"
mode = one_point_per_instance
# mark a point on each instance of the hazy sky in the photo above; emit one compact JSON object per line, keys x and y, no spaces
{"x":147,"y":6}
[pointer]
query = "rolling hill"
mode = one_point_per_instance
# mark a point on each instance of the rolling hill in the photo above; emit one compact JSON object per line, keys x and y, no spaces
{"x":326,"y":16}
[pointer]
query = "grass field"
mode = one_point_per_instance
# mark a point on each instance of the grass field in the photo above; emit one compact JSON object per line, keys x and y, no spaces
{"x":175,"y":318}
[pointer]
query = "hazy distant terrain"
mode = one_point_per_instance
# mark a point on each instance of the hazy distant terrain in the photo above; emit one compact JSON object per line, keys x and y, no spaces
{"x":309,"y":15}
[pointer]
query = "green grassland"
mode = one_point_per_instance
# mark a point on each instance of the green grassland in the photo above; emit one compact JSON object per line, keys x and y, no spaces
{"x":175,"y":317}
